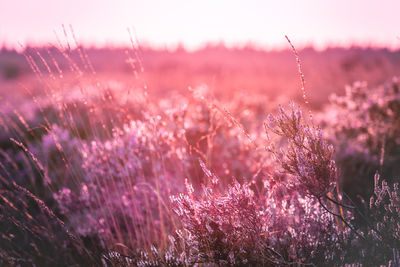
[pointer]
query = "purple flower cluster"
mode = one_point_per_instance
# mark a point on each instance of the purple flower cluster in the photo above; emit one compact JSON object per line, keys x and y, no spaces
{"x":308,"y":156}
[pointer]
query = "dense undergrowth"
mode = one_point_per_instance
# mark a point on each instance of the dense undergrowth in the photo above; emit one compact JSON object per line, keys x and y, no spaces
{"x":96,"y":178}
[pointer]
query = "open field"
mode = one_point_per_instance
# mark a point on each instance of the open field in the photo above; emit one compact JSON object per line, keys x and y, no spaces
{"x":142,"y":157}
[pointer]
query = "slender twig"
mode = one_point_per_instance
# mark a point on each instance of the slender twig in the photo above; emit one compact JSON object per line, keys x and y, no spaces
{"x":302,"y":80}
{"x":340,"y":204}
{"x":341,"y":218}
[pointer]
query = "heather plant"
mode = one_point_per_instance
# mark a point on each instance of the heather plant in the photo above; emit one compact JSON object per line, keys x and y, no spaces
{"x":220,"y":228}
{"x":383,"y":234}
{"x":364,"y":126}
{"x":298,"y":227}
{"x":211,"y":136}
{"x":385,"y":208}
{"x":308,"y":157}
{"x":308,"y":178}
{"x":378,"y":243}
{"x":140,"y":165}
{"x":237,"y":226}
{"x":123,"y":178}
{"x":282,"y":227}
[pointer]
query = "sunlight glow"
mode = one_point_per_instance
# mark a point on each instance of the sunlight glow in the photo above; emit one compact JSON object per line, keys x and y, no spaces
{"x":194,"y":23}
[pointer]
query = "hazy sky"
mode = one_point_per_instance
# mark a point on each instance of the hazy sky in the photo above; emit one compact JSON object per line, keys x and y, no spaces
{"x":167,"y":22}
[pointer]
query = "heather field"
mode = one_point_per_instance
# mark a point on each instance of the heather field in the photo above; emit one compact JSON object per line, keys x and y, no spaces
{"x":217,"y":157}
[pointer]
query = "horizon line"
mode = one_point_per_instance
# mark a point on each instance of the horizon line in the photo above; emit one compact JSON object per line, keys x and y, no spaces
{"x":181,"y":46}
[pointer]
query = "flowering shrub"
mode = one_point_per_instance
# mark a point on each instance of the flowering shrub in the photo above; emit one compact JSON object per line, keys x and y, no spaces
{"x":383,"y":236}
{"x":124,"y":177}
{"x":378,"y":243}
{"x":308,"y":156}
{"x":364,"y":126}
{"x":220,"y":228}
{"x":213,"y":137}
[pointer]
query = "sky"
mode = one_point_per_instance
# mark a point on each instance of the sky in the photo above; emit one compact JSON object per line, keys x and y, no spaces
{"x":166,"y":23}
